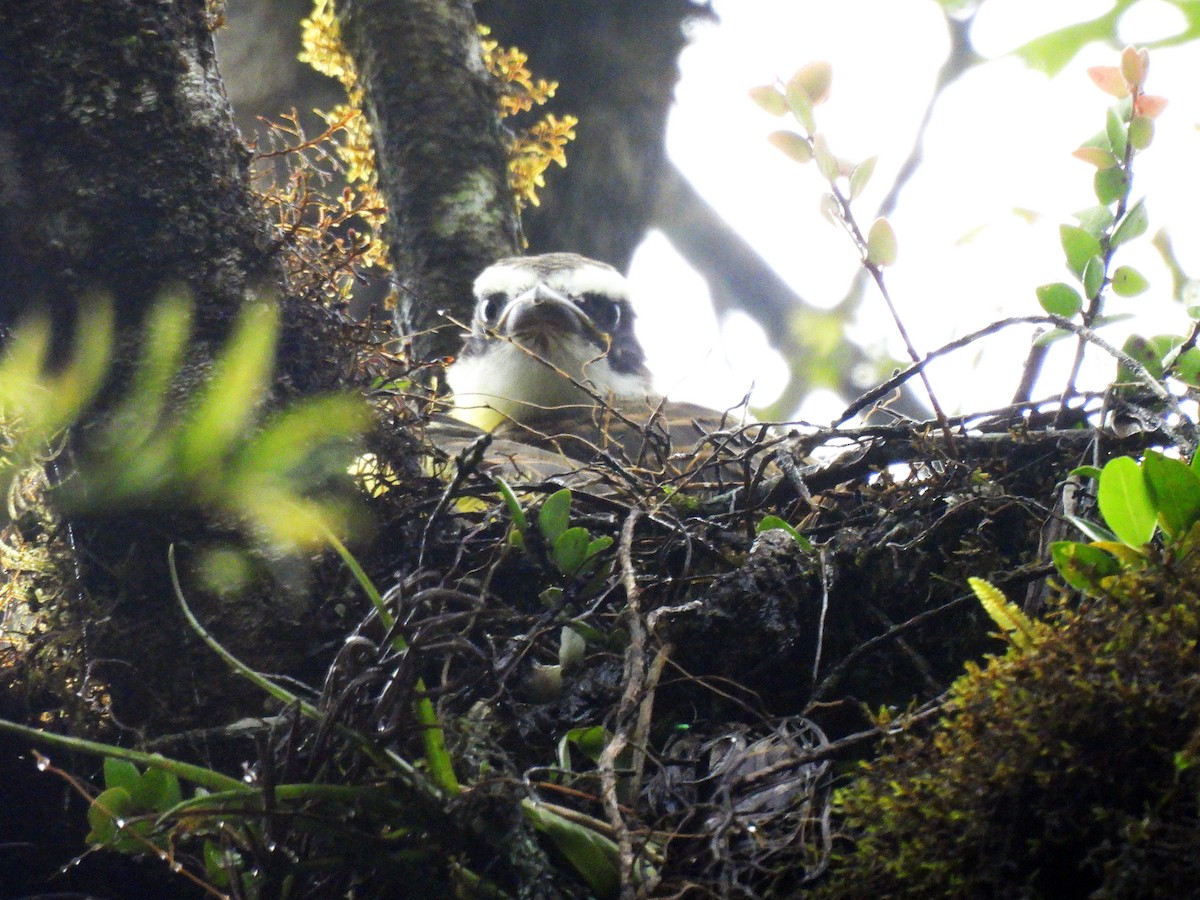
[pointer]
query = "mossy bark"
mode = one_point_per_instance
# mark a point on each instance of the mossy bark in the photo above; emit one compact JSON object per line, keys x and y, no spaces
{"x":442,"y":166}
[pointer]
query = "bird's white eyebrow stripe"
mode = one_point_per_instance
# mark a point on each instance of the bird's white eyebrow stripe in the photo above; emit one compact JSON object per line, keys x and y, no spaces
{"x":511,"y":280}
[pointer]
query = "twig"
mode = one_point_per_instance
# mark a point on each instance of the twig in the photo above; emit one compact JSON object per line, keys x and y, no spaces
{"x":465,"y":463}
{"x":1096,"y":303}
{"x":1086,"y":334}
{"x":634,"y":678}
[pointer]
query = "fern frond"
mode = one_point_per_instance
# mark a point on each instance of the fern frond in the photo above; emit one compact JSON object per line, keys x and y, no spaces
{"x":1017,"y":626}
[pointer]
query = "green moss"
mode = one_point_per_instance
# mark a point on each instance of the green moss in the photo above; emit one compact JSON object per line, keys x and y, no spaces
{"x":1062,"y":770}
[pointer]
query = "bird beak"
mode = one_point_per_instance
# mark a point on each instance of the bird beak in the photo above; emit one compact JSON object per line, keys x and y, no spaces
{"x":542,"y":311}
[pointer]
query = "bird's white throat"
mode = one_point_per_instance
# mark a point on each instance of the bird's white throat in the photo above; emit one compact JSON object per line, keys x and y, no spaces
{"x":506,"y":382}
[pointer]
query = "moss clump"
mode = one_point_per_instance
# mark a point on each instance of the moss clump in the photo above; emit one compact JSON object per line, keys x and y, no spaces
{"x":1068,"y":769}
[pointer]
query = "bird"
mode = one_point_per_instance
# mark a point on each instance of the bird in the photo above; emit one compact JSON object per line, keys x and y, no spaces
{"x":552,"y":363}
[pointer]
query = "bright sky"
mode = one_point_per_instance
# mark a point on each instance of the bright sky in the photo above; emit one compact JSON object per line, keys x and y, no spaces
{"x":1000,"y":142}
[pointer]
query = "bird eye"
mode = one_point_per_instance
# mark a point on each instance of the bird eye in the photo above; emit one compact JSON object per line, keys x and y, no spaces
{"x":604,"y":312}
{"x":493,"y":305}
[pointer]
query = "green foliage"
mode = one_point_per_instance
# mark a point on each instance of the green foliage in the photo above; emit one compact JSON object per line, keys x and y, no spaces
{"x":593,"y":855}
{"x":1017,"y":628}
{"x":1054,"y":770}
{"x":1051,"y":52}
{"x":1137,"y":500}
{"x":572,"y":550}
{"x":37,"y":404}
{"x":123,"y":816}
{"x":284,"y":480}
{"x":1089,"y":246}
{"x":770,"y":523}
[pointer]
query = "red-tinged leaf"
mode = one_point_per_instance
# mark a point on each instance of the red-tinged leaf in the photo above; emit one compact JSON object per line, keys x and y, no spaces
{"x":769,"y":98}
{"x":1133,"y":66}
{"x":1149,"y":105}
{"x":1109,"y":80}
{"x":816,"y":79}
{"x":792,"y":145}
{"x":1095,"y":156}
{"x":881,"y":243}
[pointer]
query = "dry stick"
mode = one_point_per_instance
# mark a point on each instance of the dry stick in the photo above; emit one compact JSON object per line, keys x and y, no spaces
{"x":1085,"y":334}
{"x":900,"y":377}
{"x":634,"y":677}
{"x":860,"y":241}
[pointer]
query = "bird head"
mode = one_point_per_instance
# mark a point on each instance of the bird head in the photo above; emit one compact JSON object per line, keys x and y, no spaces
{"x":549,"y":333}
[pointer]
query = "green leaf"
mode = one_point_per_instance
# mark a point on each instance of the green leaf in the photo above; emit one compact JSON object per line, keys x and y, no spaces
{"x":1187,"y":366}
{"x":590,"y":740}
{"x":1100,"y":157}
{"x":554,"y":515}
{"x":217,"y":863}
{"x":594,"y":549}
{"x":881,"y":244}
{"x":1175,"y":492}
{"x":770,"y":523}
{"x":827,"y":163}
{"x":514,"y":508}
{"x":1086,"y":471}
{"x":791,"y":144}
{"x":121,"y":773}
{"x":1050,"y":53}
{"x":110,"y":806}
{"x":1053,"y":336}
{"x":1128,"y":282}
{"x":1079,"y":247}
{"x":1114,"y":128}
{"x":1059,"y":299}
{"x":861,"y":175}
{"x":228,"y":401}
{"x":571,"y":550}
{"x":769,"y":98}
{"x":1093,"y":276}
{"x":1141,"y":132}
{"x":1109,"y":185}
{"x":157,"y":790}
{"x":799,"y":103}
{"x":1082,"y":565}
{"x":593,"y":855}
{"x":1125,"y":502}
{"x":1133,"y":224}
{"x":1095,"y":220}
{"x":1093,"y":530}
{"x":1147,"y":351}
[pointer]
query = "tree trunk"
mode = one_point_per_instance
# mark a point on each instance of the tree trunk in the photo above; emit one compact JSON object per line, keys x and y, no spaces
{"x":441,"y":161}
